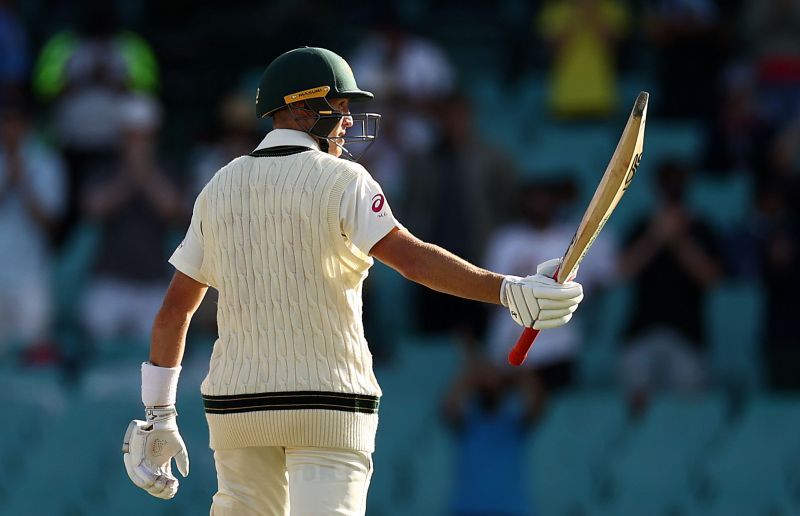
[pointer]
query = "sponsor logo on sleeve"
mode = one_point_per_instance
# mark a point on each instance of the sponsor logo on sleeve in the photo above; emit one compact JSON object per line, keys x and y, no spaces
{"x":377,"y":203}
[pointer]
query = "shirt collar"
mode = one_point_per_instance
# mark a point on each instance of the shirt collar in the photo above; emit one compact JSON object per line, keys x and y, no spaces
{"x":279,"y":137}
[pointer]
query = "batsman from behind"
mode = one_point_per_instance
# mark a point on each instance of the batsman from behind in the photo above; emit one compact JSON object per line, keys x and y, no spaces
{"x":286,"y":235}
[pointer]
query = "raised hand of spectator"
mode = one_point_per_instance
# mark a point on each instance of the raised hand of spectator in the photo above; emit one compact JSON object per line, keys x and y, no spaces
{"x":669,"y":225}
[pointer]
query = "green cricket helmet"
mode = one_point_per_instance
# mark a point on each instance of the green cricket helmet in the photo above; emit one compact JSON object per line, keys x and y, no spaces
{"x":314,"y":75}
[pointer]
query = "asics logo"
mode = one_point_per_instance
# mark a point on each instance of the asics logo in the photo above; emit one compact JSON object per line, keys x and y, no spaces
{"x":377,"y":203}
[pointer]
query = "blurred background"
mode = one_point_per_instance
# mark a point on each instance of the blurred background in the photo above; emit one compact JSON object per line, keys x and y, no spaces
{"x":674,"y":391}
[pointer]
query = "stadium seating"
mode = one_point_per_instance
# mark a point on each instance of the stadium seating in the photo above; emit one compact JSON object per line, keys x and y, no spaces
{"x":654,"y":472}
{"x":734,"y":317}
{"x":756,"y":468}
{"x":585,"y":458}
{"x":413,"y":386}
{"x":598,"y":358}
{"x":722,"y":202}
{"x":70,"y":272}
{"x":579,"y":433}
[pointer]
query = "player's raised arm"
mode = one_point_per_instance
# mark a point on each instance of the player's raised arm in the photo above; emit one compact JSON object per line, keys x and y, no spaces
{"x":536,"y":301}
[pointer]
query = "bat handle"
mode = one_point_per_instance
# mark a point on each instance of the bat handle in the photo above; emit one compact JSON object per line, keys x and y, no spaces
{"x":520,"y":350}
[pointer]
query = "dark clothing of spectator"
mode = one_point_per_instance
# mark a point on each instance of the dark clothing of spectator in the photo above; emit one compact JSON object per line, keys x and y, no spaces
{"x":665,"y":295}
{"x":780,"y":268}
{"x":133,"y":244}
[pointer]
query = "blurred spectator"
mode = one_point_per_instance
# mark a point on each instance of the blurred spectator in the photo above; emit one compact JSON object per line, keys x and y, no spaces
{"x":689,"y":45}
{"x":774,"y":32}
{"x":490,"y":413}
{"x":396,"y":64}
{"x":737,"y":136}
{"x":238,"y":135}
{"x":538,"y":235}
{"x":779,"y":226}
{"x":135,"y":203}
{"x":783,"y":166}
{"x":88,"y":73}
{"x":13,"y":52}
{"x":583,"y":35}
{"x":32,"y":199}
{"x":408,"y":74}
{"x":457,"y":194}
{"x":672,"y":261}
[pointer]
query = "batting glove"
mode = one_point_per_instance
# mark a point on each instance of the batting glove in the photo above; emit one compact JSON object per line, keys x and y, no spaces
{"x":539,"y":301}
{"x":148,"y":449}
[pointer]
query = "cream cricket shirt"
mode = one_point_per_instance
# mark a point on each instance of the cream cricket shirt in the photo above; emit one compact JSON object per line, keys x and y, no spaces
{"x":284,"y":235}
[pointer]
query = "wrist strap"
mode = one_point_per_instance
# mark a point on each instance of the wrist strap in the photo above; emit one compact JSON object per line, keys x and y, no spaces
{"x":504,"y":289}
{"x":157,"y":415}
{"x":159,"y":385}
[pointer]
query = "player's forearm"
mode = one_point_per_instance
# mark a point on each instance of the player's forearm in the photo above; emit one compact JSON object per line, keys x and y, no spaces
{"x":183,"y":297}
{"x":169,"y":338}
{"x":436,"y":268}
{"x":441,"y":270}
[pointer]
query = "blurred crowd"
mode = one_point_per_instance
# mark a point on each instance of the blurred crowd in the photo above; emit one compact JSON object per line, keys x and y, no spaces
{"x":110,"y":126}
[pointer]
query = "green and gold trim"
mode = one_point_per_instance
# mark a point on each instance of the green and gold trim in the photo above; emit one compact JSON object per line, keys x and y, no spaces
{"x":291,"y":400}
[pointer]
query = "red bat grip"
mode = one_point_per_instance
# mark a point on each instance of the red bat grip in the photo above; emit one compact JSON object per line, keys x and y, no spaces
{"x":520,"y":350}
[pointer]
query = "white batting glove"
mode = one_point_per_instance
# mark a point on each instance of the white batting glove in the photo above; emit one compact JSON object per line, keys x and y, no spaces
{"x":148,"y":449}
{"x":539,"y":301}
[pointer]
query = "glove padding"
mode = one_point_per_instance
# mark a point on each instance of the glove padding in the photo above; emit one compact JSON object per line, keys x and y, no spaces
{"x":539,"y":301}
{"x":148,"y":449}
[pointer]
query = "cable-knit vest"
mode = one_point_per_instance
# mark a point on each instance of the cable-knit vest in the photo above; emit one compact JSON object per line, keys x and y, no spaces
{"x":291,"y":366}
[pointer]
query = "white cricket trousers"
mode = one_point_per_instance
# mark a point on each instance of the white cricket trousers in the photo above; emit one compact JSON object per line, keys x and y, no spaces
{"x":277,"y":481}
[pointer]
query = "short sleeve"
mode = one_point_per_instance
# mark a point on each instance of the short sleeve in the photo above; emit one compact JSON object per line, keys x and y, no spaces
{"x":188,"y":257}
{"x":364,"y":212}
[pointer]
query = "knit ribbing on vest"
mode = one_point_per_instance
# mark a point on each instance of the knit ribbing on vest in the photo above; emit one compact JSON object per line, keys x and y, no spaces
{"x":289,"y":310}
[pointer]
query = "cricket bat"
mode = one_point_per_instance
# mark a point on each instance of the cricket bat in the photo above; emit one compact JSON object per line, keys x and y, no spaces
{"x":615,"y":182}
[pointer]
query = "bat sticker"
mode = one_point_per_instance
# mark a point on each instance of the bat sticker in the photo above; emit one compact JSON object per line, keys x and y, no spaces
{"x":637,"y":159}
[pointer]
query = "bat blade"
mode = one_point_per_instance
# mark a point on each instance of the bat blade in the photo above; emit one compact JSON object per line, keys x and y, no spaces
{"x":615,"y":181}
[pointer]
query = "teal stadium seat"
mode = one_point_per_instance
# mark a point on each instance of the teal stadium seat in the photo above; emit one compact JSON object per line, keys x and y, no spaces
{"x":413,"y":386}
{"x":675,"y":140}
{"x":555,"y":148}
{"x":755,"y":471}
{"x":602,"y":336}
{"x":530,"y":97}
{"x":67,"y":459}
{"x":734,"y":318}
{"x":498,"y":123}
{"x":723,"y":202}
{"x":72,"y":268}
{"x":576,"y":437}
{"x":654,"y":473}
{"x":430,"y":475}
